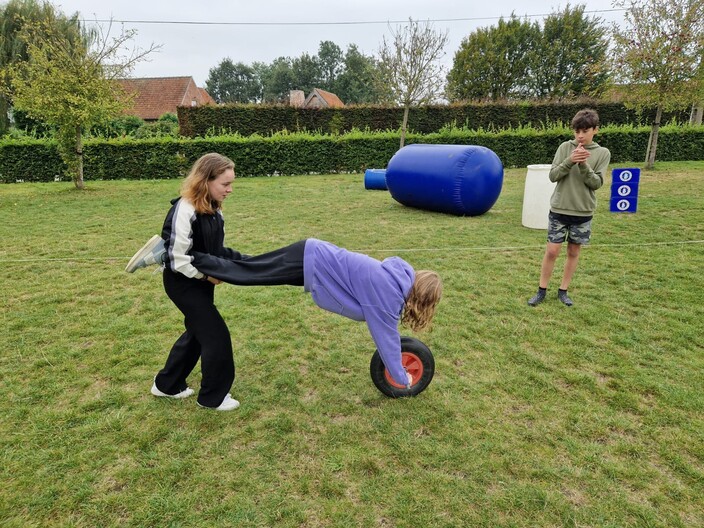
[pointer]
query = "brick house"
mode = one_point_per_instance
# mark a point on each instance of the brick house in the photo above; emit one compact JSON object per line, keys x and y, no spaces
{"x":156,"y":96}
{"x":317,"y":99}
{"x":321,"y":99}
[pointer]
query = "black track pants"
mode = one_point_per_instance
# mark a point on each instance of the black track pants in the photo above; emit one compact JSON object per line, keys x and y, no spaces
{"x":206,"y":338}
{"x":278,"y":267}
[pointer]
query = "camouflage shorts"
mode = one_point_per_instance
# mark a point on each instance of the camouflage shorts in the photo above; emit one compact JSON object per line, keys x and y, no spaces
{"x":577,"y":233}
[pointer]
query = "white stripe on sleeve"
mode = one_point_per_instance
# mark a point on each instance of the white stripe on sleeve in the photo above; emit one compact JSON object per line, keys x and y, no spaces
{"x":182,"y":240}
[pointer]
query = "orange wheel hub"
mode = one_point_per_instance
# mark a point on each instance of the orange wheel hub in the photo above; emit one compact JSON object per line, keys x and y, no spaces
{"x":412,"y":364}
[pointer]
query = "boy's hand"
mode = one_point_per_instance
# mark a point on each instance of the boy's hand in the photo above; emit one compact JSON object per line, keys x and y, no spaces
{"x":579,"y":155}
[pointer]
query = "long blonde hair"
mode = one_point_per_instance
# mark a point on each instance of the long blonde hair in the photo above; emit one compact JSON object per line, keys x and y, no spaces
{"x":195,"y":186}
{"x":422,"y":300}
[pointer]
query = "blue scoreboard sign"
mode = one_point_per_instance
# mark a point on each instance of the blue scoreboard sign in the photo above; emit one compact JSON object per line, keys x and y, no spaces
{"x":624,"y":190}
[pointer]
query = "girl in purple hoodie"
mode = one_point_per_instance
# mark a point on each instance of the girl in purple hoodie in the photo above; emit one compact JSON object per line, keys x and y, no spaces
{"x":381,"y":293}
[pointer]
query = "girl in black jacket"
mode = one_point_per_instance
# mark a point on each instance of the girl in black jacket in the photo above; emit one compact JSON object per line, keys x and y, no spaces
{"x":195,"y":223}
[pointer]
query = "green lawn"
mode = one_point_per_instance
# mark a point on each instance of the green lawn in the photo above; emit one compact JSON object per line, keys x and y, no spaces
{"x":549,"y":416}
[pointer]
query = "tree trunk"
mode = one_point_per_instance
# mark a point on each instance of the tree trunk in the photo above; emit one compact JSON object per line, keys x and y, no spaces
{"x":79,"y":160}
{"x":696,"y":116}
{"x":653,"y":146}
{"x":4,"y":118}
{"x":404,"y":125}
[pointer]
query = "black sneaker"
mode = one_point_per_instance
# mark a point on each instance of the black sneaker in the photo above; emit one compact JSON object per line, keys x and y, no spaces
{"x":537,"y":298}
{"x":562,"y":295}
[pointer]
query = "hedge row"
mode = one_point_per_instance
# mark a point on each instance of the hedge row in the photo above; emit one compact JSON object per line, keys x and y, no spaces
{"x":264,"y":120}
{"x":34,"y":160}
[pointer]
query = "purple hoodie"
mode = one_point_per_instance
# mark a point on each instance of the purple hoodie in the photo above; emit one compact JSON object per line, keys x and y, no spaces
{"x":364,"y":289}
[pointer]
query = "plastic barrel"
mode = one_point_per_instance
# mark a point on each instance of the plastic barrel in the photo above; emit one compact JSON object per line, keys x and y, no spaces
{"x":463,"y":180}
{"x":375,"y":179}
{"x":536,"y":196}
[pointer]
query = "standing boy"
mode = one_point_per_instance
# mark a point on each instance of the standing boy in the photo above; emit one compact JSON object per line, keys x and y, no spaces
{"x":578,"y":168}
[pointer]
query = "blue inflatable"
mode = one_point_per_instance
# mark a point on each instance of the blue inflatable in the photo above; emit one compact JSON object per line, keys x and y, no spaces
{"x":375,"y":179}
{"x":463,"y":180}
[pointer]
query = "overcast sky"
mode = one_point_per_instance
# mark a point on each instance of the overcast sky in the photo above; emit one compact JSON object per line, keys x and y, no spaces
{"x":251,"y":30}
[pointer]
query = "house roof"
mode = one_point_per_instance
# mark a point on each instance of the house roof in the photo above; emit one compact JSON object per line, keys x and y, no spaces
{"x":206,"y":97}
{"x":156,"y":96}
{"x":327,"y":98}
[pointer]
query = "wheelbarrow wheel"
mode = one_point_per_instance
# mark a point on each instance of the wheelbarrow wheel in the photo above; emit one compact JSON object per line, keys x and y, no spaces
{"x":418,"y":362}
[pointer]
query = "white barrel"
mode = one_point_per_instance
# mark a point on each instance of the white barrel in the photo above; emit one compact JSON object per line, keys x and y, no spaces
{"x":536,"y":196}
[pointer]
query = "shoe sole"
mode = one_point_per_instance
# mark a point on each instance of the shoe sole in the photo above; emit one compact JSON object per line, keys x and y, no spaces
{"x":181,"y":395}
{"x":146,"y":249}
{"x":219,"y":408}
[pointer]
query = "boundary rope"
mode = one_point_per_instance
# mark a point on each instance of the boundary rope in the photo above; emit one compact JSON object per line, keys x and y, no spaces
{"x":444,"y":250}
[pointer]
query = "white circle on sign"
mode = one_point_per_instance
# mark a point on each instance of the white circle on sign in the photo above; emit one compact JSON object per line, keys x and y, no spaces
{"x":624,"y":190}
{"x":622,"y":205}
{"x":626,"y":175}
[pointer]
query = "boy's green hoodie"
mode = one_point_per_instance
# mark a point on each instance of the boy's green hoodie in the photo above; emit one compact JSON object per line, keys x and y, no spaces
{"x":574,"y":193}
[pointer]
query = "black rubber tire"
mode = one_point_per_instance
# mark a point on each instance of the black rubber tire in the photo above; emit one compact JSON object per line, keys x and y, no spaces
{"x":418,"y":356}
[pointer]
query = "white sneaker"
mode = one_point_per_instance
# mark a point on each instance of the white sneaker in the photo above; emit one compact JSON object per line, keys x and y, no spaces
{"x":185,"y":393}
{"x":228,"y":404}
{"x":151,"y":253}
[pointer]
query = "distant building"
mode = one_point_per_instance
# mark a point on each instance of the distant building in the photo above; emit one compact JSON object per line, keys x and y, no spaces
{"x":317,"y":99}
{"x":156,"y":96}
{"x":296,"y":98}
{"x":321,"y":99}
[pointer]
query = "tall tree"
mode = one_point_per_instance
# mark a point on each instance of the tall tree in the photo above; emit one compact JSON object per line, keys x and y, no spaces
{"x":233,"y":83}
{"x":350,"y":75}
{"x":493,"y":63}
{"x":569,"y":58}
{"x":409,"y":68}
{"x":15,"y":15}
{"x":261,"y":74}
{"x":279,"y":80}
{"x":331,"y":64}
{"x":71,"y":85}
{"x":355,"y":85}
{"x":658,"y":54}
{"x":306,"y":72}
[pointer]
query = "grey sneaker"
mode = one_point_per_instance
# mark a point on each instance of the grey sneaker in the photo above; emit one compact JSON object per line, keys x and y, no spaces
{"x":537,"y":298}
{"x":562,"y":295}
{"x":151,"y":253}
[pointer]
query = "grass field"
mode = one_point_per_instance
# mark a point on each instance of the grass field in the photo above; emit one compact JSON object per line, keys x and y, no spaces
{"x":551,"y":416}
